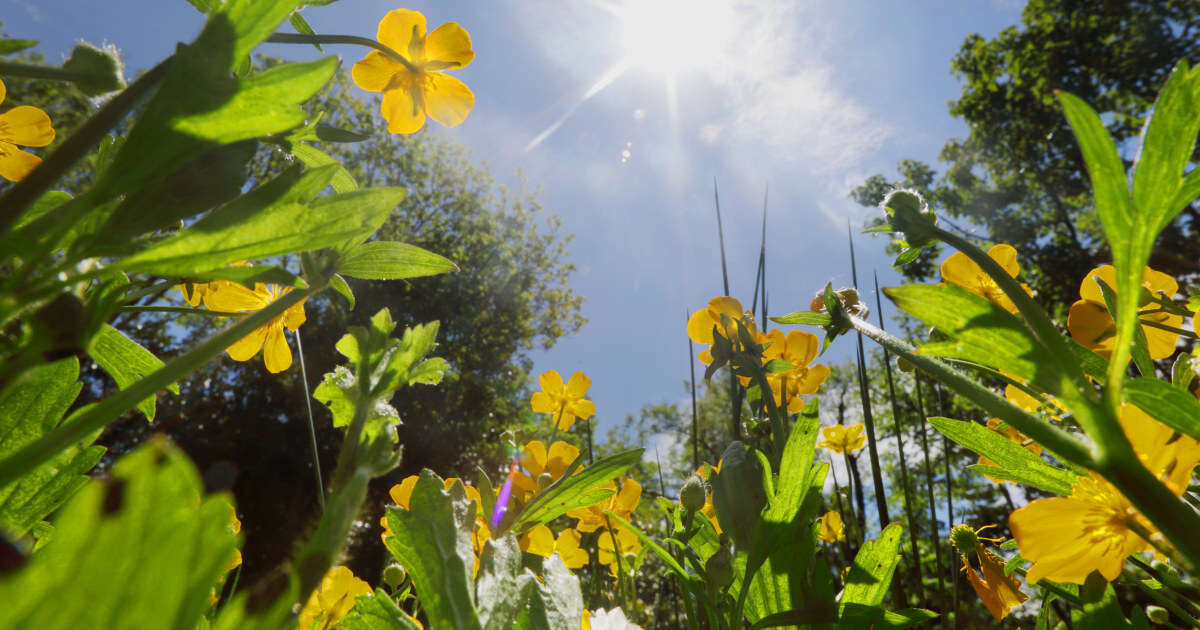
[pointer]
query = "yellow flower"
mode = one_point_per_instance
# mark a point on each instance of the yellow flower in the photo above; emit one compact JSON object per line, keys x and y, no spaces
{"x":800,"y":349}
{"x":1048,"y":408}
{"x":411,"y":91}
{"x":563,"y":402}
{"x":706,"y":470}
{"x":197,"y":293}
{"x":842,"y":439}
{"x":700,"y":324}
{"x":961,"y":270}
{"x":538,"y":541}
{"x":831,"y":528}
{"x":233,"y":297}
{"x":1091,"y":325}
{"x":623,"y":503}
{"x":1066,"y":538}
{"x":25,"y":126}
{"x":627,"y":544}
{"x":997,"y":591}
{"x":1013,"y":436}
{"x":235,"y":527}
{"x":333,"y":599}
{"x":543,"y":468}
{"x":567,"y":546}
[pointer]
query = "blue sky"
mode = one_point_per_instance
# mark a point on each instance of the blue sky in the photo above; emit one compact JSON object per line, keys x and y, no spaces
{"x":806,"y":98}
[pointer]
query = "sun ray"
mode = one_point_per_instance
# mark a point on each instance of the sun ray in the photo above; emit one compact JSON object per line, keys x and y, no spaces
{"x":605,"y":79}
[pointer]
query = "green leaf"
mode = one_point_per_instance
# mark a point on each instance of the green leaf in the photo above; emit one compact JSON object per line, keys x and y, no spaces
{"x":1189,"y":191}
{"x":301,"y":25}
{"x":313,"y":157}
{"x":1012,"y":458}
{"x":1170,"y":405}
{"x":653,"y":546}
{"x":261,"y":225}
{"x":871,"y":573}
{"x":1182,"y":372}
{"x":31,"y":406}
{"x":804,"y":317}
{"x":432,"y":541}
{"x":386,"y":260}
{"x":146,"y":546}
{"x":1139,"y":349}
{"x":338,"y":283}
{"x":9,"y":46}
{"x":795,"y":467}
{"x":126,"y":361}
{"x":512,"y":597}
{"x":377,"y":612}
{"x":738,"y":494}
{"x":1101,"y":611}
{"x":571,"y":491}
{"x":1167,"y":143}
{"x":336,"y":134}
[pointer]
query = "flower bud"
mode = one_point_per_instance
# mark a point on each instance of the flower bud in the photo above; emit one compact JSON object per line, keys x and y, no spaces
{"x":1157,"y":615}
{"x":393,"y":575}
{"x":720,"y":569}
{"x":692,"y":494}
{"x":905,"y":211}
{"x":544,"y":480}
{"x":964,"y":539}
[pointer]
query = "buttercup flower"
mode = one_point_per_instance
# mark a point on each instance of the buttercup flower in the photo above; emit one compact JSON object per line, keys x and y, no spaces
{"x":1013,"y":436}
{"x":831,"y":529}
{"x":25,"y":126}
{"x":997,"y":591}
{"x":420,"y":87}
{"x":800,"y":349}
{"x":1092,"y":326}
{"x":1048,"y":408}
{"x":700,"y":324}
{"x":538,"y":541}
{"x":706,"y":471}
{"x":567,"y":546}
{"x":843,"y":439}
{"x":563,"y":402}
{"x":1066,"y":538}
{"x":623,"y":503}
{"x":538,"y":462}
{"x":233,"y":297}
{"x":333,"y":600}
{"x":961,"y":270}
{"x":627,"y":544}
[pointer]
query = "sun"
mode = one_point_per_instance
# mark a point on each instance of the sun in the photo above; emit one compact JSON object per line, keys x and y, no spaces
{"x":678,"y":36}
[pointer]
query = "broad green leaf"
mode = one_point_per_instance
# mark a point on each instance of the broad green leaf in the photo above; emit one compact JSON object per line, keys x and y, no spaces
{"x":126,"y":361}
{"x":1008,"y":455}
{"x":1189,"y":191}
{"x":871,"y":573}
{"x":1167,"y":143}
{"x":29,"y":407}
{"x":313,"y":157}
{"x":510,"y":596}
{"x":244,"y":230}
{"x":572,"y":491}
{"x":738,"y":494}
{"x":1182,"y":372}
{"x":377,"y":612}
{"x":979,"y":331}
{"x":1101,"y":610}
{"x":795,"y":466}
{"x":782,"y":581}
{"x":9,"y":46}
{"x":386,"y":260}
{"x":804,"y":317}
{"x":432,"y":541}
{"x":1166,"y":403}
{"x":145,"y":546}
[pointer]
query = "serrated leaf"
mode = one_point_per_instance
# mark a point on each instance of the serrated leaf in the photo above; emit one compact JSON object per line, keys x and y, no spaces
{"x":126,"y":361}
{"x":571,"y":491}
{"x":1013,"y":458}
{"x":146,"y":546}
{"x":1170,"y":405}
{"x":31,"y":406}
{"x":386,"y":260}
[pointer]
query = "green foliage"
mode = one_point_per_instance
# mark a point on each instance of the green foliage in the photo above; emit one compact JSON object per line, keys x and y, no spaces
{"x":1012,"y":461}
{"x":126,"y":361}
{"x":570,"y":491}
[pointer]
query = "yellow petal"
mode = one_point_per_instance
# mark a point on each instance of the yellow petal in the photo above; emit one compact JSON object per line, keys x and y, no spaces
{"x":803,"y":346}
{"x":3,"y":91}
{"x":276,"y":354}
{"x":582,"y":408}
{"x":578,"y":385}
{"x":403,"y":30}
{"x":1005,"y":255}
{"x":403,"y":113}
{"x":568,"y":549}
{"x":551,"y":383}
{"x":961,"y":270}
{"x":26,"y":126}
{"x":248,"y":346}
{"x":566,"y":420}
{"x":812,"y":380}
{"x":560,"y":456}
{"x":294,"y":316}
{"x":1157,"y":281}
{"x":541,"y":402}
{"x":447,"y":100}
{"x":538,"y":541}
{"x":1089,"y":289}
{"x":401,"y":493}
{"x":1161,"y":343}
{"x":1090,"y":325}
{"x":449,"y":44}
{"x":533,"y":458}
{"x":375,"y":71}
{"x":15,"y":164}
{"x":705,"y":357}
{"x":232,"y":297}
{"x":700,"y":327}
{"x":627,"y":499}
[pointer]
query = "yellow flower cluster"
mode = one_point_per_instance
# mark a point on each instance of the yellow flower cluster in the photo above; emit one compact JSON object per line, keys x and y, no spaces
{"x":231,"y":297}
{"x":959,"y":269}
{"x":614,"y":540}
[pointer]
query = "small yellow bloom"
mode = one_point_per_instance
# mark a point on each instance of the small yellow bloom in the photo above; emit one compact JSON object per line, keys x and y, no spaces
{"x":1048,"y":408}
{"x":563,"y":402}
{"x":235,"y":527}
{"x":409,"y":93}
{"x":538,"y":541}
{"x":800,"y":349}
{"x":700,"y":324}
{"x":543,"y":467}
{"x":622,"y":504}
{"x":627,"y":544}
{"x":333,"y":600}
{"x":1066,"y":538}
{"x":831,"y":528}
{"x":1013,"y":436}
{"x":25,"y":126}
{"x":961,"y":270}
{"x":232,"y":297}
{"x":1091,"y":325}
{"x":843,"y":439}
{"x":567,"y":546}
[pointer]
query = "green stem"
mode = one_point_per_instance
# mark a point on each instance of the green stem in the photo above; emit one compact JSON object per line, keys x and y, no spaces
{"x":312,"y":429}
{"x":300,"y":38}
{"x":1165,"y":602}
{"x":933,"y":523}
{"x":13,"y":69}
{"x":24,"y":192}
{"x":182,"y":310}
{"x":1178,"y":331}
{"x":94,"y":417}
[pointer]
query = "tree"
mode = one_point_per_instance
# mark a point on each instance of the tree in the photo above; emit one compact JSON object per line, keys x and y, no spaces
{"x":1019,"y":174}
